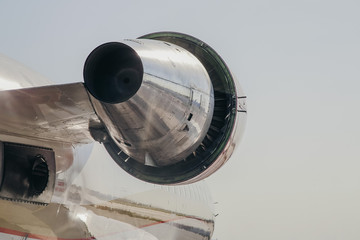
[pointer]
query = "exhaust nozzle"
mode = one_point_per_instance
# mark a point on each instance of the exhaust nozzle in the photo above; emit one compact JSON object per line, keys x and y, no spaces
{"x":113,"y":72}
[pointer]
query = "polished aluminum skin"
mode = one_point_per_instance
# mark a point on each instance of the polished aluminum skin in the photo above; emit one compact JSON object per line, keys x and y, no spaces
{"x":170,"y":114}
{"x":35,"y":113}
{"x":93,"y":197}
{"x":185,"y":114}
{"x":173,"y":127}
{"x":230,"y":109}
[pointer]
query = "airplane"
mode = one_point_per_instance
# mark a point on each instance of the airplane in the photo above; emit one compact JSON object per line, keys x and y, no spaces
{"x":122,"y":155}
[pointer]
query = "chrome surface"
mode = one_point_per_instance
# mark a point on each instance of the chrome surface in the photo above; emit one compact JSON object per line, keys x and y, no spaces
{"x":229,"y":119}
{"x":117,"y":207}
{"x":178,"y":124}
{"x":32,"y":109}
{"x":168,"y":117}
{"x":52,"y":113}
{"x":34,"y":113}
{"x":170,"y":129}
{"x":93,"y":198}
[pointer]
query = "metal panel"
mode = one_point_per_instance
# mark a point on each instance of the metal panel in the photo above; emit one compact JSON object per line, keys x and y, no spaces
{"x":59,"y":113}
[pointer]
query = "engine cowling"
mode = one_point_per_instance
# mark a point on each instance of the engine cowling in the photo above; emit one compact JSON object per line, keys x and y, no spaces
{"x":170,"y":106}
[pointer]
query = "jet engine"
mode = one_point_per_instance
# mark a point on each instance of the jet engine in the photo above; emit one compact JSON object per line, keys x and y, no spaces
{"x":171,"y":109}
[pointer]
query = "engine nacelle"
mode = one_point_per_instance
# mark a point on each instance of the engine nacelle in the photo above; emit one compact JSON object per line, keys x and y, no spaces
{"x":169,"y":104}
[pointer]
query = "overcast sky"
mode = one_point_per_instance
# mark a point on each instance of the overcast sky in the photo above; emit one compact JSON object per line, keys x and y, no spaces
{"x":296,"y":173}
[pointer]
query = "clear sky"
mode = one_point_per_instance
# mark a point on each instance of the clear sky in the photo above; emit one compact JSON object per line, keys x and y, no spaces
{"x":296,"y":173}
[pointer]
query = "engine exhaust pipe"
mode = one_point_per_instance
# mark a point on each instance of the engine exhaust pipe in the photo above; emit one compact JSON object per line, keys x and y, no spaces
{"x":113,"y":72}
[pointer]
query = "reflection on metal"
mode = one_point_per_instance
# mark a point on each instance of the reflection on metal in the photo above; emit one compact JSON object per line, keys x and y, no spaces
{"x":188,"y":131}
{"x":56,"y":117}
{"x":172,"y":115}
{"x":87,"y":214}
{"x":50,"y":113}
{"x":153,"y":122}
{"x":175,"y":124}
{"x":226,"y":126}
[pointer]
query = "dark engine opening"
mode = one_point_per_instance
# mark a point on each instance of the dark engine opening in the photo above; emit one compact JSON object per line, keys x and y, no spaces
{"x":113,"y":72}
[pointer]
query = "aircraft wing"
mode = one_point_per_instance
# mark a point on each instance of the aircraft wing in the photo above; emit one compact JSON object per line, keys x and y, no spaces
{"x":50,"y":113}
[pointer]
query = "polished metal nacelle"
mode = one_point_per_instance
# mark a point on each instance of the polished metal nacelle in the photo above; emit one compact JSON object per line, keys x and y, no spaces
{"x":171,"y":110}
{"x":155,"y":98}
